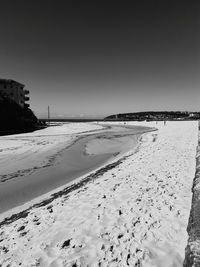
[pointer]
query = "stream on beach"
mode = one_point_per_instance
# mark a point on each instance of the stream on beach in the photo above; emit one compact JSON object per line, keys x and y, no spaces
{"x":86,"y":154}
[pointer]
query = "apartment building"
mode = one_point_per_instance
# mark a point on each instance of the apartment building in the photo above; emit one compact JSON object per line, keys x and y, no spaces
{"x":15,"y":91}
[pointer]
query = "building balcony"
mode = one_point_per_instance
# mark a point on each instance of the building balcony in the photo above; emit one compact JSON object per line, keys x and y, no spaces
{"x":26,"y":105}
{"x":26,"y":98}
{"x":26,"y":92}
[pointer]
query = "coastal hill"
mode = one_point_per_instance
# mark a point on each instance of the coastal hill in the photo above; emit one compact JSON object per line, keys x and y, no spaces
{"x":14,"y":118}
{"x":155,"y":115}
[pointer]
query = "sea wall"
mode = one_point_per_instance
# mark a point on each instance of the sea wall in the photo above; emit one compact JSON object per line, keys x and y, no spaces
{"x":192,"y":251}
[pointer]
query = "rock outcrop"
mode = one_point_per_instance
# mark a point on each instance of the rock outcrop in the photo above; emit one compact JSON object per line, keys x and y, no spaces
{"x":14,"y":118}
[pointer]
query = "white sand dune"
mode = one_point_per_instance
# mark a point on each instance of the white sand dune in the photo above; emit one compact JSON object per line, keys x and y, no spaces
{"x":134,"y":214}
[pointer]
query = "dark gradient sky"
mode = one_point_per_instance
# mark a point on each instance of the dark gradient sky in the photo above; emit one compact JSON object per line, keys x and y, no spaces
{"x":102,"y":57}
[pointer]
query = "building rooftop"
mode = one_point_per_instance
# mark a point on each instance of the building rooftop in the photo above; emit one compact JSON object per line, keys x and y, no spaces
{"x":10,"y":81}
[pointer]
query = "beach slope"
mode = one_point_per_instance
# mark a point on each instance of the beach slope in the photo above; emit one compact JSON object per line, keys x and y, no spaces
{"x":133,"y":212}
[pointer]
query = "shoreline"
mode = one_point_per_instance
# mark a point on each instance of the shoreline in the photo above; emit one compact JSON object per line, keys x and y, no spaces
{"x":53,"y":170}
{"x":64,"y":190}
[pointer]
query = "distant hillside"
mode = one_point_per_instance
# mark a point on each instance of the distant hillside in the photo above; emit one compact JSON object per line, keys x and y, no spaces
{"x":15,"y":119}
{"x":155,"y":115}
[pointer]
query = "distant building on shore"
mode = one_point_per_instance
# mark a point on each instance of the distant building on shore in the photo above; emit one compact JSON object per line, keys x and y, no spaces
{"x":15,"y":91}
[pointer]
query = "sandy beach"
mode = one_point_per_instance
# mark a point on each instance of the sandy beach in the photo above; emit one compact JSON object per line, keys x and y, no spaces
{"x":63,"y":161}
{"x":131,"y":212}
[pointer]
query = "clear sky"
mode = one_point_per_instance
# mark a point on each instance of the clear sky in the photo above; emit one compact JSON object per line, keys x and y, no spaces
{"x":102,"y":57}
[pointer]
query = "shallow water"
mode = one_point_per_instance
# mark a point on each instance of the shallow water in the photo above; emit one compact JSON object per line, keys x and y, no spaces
{"x":85,"y":155}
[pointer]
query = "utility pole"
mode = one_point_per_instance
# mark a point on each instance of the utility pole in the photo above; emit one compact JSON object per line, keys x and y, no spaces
{"x":48,"y":115}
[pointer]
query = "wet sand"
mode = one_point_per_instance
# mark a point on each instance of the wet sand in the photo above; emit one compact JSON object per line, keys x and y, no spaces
{"x":85,"y":155}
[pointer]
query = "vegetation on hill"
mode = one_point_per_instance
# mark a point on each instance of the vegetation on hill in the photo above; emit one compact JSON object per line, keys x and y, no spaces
{"x":156,"y":115}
